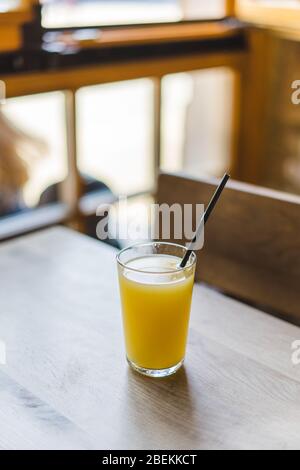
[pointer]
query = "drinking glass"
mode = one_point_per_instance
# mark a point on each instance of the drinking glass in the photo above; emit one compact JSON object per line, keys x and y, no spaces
{"x":156,"y":295}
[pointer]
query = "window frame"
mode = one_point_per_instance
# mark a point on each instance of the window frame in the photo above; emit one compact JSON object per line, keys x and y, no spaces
{"x":260,"y":13}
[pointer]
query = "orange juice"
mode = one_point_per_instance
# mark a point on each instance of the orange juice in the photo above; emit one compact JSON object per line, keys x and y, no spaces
{"x":156,"y":300}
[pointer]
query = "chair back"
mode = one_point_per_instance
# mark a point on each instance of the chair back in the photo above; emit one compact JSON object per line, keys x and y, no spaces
{"x":252,"y":241}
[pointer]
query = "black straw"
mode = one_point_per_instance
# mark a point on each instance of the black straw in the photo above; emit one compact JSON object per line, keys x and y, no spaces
{"x":204,"y":219}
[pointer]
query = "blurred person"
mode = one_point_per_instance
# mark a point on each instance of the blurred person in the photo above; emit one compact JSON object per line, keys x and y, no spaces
{"x":17,"y":149}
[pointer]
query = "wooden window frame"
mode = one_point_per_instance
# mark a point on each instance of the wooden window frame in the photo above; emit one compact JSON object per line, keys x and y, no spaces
{"x":282,"y":17}
{"x":11,"y":23}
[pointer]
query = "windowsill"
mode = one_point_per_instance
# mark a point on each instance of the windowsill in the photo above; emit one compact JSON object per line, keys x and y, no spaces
{"x":32,"y":220}
{"x":143,"y":35}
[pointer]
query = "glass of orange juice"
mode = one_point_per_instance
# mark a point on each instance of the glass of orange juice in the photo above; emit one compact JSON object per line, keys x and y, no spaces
{"x":156,"y":295}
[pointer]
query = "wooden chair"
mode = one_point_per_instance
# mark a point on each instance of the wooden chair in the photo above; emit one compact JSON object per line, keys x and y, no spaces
{"x":252,"y":242}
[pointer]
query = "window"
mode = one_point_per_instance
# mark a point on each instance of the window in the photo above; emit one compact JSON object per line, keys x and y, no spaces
{"x":60,"y":13}
{"x":40,"y":117}
{"x":6,"y":5}
{"x":197,"y":9}
{"x":196,"y":124}
{"x":115,"y":134}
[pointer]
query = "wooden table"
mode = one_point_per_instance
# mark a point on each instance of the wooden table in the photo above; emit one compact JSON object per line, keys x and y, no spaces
{"x":66,"y":383}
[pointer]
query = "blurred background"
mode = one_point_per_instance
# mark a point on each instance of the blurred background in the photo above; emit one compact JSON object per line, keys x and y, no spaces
{"x":89,"y":109}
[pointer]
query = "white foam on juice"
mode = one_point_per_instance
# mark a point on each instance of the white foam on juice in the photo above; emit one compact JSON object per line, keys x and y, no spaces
{"x":164,"y":269}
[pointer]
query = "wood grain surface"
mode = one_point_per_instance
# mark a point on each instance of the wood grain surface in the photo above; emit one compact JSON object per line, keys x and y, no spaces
{"x":252,"y":244}
{"x":66,"y":383}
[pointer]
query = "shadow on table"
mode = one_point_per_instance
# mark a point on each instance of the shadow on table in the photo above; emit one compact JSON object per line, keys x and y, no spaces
{"x":164,"y":405}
